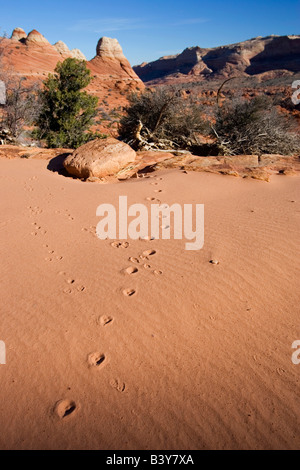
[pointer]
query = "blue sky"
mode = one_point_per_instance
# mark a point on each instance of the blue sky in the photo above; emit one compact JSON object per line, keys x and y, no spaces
{"x":148,"y":30}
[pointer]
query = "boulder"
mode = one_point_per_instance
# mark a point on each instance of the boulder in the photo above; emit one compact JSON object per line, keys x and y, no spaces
{"x":99,"y":158}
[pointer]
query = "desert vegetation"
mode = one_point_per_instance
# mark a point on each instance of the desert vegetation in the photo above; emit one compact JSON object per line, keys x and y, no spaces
{"x":67,"y":112}
{"x":254,"y":127}
{"x":164,"y":118}
{"x":161,"y":119}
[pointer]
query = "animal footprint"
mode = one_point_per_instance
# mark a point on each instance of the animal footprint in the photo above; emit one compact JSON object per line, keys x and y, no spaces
{"x":81,"y":288}
{"x":118,"y":385}
{"x":124,"y":245}
{"x":64,"y":408}
{"x":96,"y":359}
{"x":158,"y":272}
{"x":149,"y":253}
{"x":129,"y":292}
{"x":147,"y":238}
{"x":68,"y":291}
{"x":120,"y":244}
{"x":131,"y":270}
{"x":134,"y":260}
{"x":115,"y":244}
{"x":105,"y":320}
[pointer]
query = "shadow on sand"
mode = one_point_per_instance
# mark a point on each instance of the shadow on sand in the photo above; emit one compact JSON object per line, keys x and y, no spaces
{"x":56,"y":165}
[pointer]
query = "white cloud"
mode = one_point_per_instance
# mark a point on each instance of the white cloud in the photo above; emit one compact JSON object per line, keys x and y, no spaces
{"x":125,"y":24}
{"x":106,"y":25}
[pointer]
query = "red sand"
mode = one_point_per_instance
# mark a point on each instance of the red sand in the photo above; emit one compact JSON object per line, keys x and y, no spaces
{"x":198,"y":358}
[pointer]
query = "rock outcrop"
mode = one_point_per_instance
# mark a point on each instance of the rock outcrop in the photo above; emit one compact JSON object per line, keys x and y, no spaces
{"x":34,"y":37}
{"x":108,"y":47}
{"x":18,"y":34}
{"x":99,"y":158}
{"x":251,"y":57}
{"x":61,"y":47}
{"x":110,"y":60}
{"x":77,"y":54}
{"x":33,"y":57}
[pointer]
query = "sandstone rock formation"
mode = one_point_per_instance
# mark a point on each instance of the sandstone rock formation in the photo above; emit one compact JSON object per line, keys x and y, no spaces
{"x":34,"y":37}
{"x":108,"y":47}
{"x":33,"y":57}
{"x":110,"y":60}
{"x":77,"y":54}
{"x":18,"y":34}
{"x":99,"y":158}
{"x":61,"y":47}
{"x":251,"y":57}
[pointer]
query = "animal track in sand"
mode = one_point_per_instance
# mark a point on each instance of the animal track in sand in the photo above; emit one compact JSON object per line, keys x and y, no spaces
{"x":149,"y":253}
{"x":147,"y":238}
{"x":105,"y":320}
{"x":131,"y":270}
{"x":81,"y":288}
{"x":68,"y":291}
{"x":37,"y":229}
{"x":96,"y":359}
{"x":158,"y":190}
{"x":147,"y":266}
{"x":35,"y":210}
{"x":91,"y":230}
{"x":129,"y":292}
{"x":120,"y":244}
{"x":118,"y":385}
{"x":153,"y":199}
{"x":64,"y":408}
{"x":158,"y":272}
{"x":214,"y":261}
{"x":134,"y":260}
{"x":71,"y":281}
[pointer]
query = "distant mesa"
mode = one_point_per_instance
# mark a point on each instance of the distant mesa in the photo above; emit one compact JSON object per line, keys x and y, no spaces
{"x":254,"y":56}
